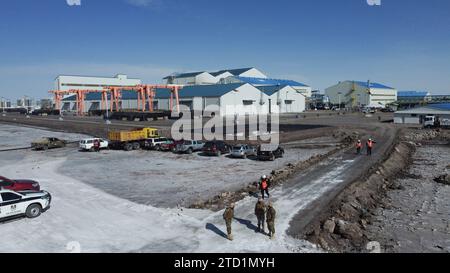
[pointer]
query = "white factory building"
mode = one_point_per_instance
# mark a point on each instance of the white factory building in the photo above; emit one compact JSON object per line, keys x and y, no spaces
{"x":285,"y":98}
{"x":358,"y":94}
{"x":65,"y":83}
{"x":418,"y":114}
{"x":231,"y":99}
{"x":204,"y":77}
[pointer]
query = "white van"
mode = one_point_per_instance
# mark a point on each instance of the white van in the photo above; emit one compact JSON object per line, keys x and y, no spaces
{"x":88,"y":144}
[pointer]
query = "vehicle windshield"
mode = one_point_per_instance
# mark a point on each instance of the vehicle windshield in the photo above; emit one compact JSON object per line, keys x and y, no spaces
{"x":238,"y":148}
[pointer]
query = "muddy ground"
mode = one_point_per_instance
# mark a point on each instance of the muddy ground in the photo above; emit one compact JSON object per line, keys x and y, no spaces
{"x":415,"y":217}
{"x":396,"y":207}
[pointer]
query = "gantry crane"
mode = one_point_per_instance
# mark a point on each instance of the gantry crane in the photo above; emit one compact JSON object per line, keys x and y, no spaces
{"x":146,"y":94}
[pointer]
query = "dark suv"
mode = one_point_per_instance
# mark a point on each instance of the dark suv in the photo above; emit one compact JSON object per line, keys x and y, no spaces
{"x":270,"y":152}
{"x":216,"y":148}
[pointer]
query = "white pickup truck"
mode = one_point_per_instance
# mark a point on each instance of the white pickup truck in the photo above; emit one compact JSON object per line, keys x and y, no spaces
{"x":28,"y":203}
{"x":88,"y":144}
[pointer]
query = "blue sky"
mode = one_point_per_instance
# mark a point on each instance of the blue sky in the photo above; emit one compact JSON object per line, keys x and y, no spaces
{"x":402,"y":43}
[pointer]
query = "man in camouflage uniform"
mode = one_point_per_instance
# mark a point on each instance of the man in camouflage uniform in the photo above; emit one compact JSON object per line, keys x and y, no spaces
{"x":270,"y":217}
{"x":260,"y":212}
{"x":228,"y":216}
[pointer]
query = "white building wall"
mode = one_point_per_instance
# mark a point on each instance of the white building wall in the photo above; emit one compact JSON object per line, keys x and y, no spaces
{"x":253,"y":73}
{"x":96,"y":83}
{"x":235,"y":102}
{"x":360,"y":96}
{"x":305,"y":90}
{"x":205,"y":78}
{"x":282,"y":98}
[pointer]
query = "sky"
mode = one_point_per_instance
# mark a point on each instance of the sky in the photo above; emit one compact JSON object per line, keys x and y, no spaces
{"x":401,"y":43}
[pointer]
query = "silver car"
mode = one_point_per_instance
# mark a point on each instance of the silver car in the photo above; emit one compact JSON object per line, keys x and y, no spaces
{"x":243,"y":151}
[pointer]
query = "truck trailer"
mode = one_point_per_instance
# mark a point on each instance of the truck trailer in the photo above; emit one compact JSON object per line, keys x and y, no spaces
{"x":131,"y":139}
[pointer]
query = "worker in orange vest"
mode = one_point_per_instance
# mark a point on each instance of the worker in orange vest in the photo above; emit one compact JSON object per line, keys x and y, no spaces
{"x":369,"y":146}
{"x":358,"y":147}
{"x":264,"y":186}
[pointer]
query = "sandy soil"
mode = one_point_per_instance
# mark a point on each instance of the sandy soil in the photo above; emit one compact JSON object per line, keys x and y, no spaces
{"x":417,"y":216}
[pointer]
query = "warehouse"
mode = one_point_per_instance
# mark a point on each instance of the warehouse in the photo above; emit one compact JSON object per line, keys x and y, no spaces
{"x":204,"y":77}
{"x":194,"y":78}
{"x":232,"y":99}
{"x":359,"y":94}
{"x":285,"y":98}
{"x":299,"y":87}
{"x":417,"y":115}
{"x":65,"y":83}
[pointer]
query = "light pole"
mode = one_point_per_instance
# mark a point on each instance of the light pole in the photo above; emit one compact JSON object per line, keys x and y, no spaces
{"x":107,"y":113}
{"x":339,"y":93}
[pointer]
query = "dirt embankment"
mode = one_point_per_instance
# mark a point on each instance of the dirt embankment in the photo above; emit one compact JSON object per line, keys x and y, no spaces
{"x":277,"y":176}
{"x":342,"y":227}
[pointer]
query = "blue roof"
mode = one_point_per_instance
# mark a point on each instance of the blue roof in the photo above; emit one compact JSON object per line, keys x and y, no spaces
{"x":264,"y":81}
{"x":412,"y":94}
{"x":126,"y":95}
{"x":271,"y":89}
{"x":213,"y":90}
{"x":440,"y":106}
{"x":372,"y":85}
{"x":185,"y":75}
{"x":235,"y":72}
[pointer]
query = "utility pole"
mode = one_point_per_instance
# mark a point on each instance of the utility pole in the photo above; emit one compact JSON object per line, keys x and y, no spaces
{"x":339,"y":93}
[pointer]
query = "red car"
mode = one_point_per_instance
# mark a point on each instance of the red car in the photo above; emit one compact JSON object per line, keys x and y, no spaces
{"x":19,"y":185}
{"x":170,"y":145}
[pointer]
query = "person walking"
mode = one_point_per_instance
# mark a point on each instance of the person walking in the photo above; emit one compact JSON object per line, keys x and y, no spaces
{"x":369,"y":146}
{"x":228,"y":216}
{"x":260,"y":212}
{"x":358,"y":147}
{"x":97,"y":145}
{"x":264,"y":186}
{"x":270,"y":218}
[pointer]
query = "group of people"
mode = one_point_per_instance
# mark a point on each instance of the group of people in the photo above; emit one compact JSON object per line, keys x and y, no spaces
{"x":264,"y":213}
{"x":369,"y":146}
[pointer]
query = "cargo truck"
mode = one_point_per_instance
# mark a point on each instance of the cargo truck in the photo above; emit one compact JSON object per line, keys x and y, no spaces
{"x":131,"y":139}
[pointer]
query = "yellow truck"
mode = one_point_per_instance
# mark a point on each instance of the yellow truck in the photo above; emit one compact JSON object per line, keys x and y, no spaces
{"x":131,"y":139}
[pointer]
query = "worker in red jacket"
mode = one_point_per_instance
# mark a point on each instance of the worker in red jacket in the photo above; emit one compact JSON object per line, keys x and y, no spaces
{"x":264,"y":186}
{"x":369,"y":146}
{"x":358,"y":147}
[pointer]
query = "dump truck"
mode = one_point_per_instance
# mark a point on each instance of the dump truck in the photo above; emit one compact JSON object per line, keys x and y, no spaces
{"x":131,"y":139}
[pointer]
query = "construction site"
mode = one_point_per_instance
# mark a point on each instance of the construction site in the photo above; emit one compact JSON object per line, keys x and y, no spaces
{"x":187,"y":135}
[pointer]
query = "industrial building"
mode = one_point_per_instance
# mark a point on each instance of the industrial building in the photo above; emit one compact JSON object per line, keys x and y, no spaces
{"x":284,"y":98}
{"x":232,"y":99}
{"x":417,"y":115}
{"x":299,"y":87}
{"x":359,"y":94}
{"x":204,"y":77}
{"x":413,"y":96}
{"x":65,"y":83}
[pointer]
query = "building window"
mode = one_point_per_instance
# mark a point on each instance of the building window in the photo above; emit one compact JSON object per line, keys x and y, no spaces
{"x":248,"y":102}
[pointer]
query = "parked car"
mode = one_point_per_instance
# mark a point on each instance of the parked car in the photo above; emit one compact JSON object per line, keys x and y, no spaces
{"x":155,"y":143}
{"x":18,"y":184}
{"x":216,"y":148}
{"x":270,"y":152}
{"x":88,"y":144}
{"x":170,"y":145}
{"x":28,"y":203}
{"x":190,"y":146}
{"x":243,"y":151}
{"x":48,"y":143}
